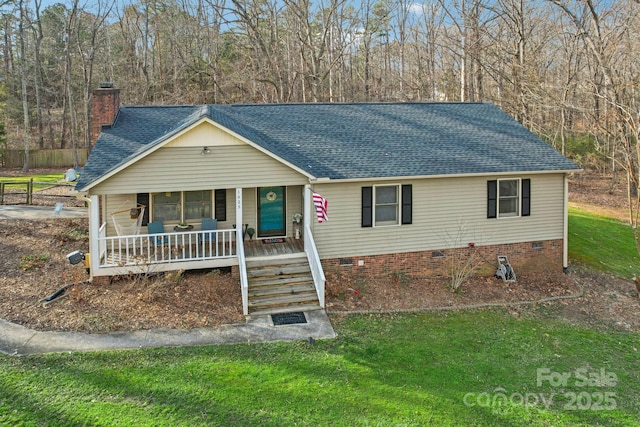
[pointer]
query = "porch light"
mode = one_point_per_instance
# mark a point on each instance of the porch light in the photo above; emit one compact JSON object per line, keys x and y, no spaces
{"x":205,"y":150}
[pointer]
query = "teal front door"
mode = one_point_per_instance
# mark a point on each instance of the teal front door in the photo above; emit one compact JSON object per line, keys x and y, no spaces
{"x":271,"y":211}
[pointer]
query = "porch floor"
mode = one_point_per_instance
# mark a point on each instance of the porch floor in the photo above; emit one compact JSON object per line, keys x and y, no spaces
{"x":257,"y":248}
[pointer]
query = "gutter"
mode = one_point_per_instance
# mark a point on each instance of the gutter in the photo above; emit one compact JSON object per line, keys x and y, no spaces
{"x":326,"y":180}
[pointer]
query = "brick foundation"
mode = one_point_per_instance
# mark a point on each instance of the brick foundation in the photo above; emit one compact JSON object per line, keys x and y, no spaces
{"x":524,"y":257}
{"x":101,"y":280}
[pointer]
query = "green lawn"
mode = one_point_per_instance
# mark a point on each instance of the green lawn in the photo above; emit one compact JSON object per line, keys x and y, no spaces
{"x":476,"y":368}
{"x":427,"y":369}
{"x":38,"y":179}
{"x":602,"y":243}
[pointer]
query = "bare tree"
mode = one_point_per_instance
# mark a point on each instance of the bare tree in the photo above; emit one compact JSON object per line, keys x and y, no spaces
{"x":23,"y":80}
{"x":87,"y":43}
{"x":621,"y":118}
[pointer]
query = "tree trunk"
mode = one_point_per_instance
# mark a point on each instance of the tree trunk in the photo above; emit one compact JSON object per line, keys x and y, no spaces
{"x":23,"y":75}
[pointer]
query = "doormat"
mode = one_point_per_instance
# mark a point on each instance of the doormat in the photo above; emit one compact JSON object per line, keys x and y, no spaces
{"x":276,"y":240}
{"x":288,"y":318}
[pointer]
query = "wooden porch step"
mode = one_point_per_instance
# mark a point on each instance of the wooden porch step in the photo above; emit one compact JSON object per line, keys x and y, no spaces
{"x":281,"y":301}
{"x":281,"y":280}
{"x":274,"y":261}
{"x":281,"y":270}
{"x":284,"y":290}
{"x":281,"y":285}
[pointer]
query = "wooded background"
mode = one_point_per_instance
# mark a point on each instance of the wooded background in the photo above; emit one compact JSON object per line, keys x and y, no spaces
{"x":566,"y":69}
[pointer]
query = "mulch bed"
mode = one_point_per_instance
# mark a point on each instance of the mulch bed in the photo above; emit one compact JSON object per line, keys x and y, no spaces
{"x":378,"y":294}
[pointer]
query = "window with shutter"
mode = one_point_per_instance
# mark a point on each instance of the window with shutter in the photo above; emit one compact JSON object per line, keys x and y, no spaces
{"x":508,"y":198}
{"x":384,"y":205}
{"x":181,"y":206}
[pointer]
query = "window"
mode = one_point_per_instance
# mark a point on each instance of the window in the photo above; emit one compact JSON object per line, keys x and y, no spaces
{"x":166,"y":206}
{"x":197,"y":205}
{"x":508,"y":198}
{"x":386,"y":205}
{"x":181,"y":206}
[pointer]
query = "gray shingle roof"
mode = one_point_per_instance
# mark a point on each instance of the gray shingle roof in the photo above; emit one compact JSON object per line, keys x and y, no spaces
{"x":347,"y":141}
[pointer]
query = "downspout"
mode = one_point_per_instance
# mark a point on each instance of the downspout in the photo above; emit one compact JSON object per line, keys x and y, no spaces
{"x":565,"y":242}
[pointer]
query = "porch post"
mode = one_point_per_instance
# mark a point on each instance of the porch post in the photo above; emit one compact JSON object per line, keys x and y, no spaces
{"x":94,"y":230}
{"x":242,"y":266}
{"x":308,"y":198}
{"x":239,"y":214}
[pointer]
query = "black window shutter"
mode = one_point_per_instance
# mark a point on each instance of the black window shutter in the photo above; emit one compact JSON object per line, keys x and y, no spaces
{"x":492,"y":195}
{"x":407,"y":203}
{"x":143,"y":199}
{"x":526,"y":197}
{"x":221,"y":204}
{"x":367,"y":206}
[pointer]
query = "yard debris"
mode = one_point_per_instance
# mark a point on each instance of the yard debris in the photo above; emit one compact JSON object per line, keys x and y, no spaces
{"x":60,"y":293}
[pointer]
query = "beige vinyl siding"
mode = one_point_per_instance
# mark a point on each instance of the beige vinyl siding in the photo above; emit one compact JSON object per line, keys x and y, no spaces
{"x":184,"y":168}
{"x":204,"y":134}
{"x":294,"y":205}
{"x":447,"y":212}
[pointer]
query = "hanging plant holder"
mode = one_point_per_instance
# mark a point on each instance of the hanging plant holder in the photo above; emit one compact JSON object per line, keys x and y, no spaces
{"x":134,"y":213}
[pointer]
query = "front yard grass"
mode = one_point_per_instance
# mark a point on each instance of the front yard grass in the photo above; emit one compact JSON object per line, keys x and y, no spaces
{"x":39,"y":180}
{"x":465,"y":368}
{"x":602,"y":243}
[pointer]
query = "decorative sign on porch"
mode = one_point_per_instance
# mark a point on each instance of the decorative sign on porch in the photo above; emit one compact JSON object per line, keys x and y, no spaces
{"x":321,"y":205}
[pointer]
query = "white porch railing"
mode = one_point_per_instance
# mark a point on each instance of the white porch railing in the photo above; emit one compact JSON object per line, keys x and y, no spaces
{"x":242,"y":268}
{"x":147,"y":249}
{"x":314,"y":263}
{"x":102,"y":244}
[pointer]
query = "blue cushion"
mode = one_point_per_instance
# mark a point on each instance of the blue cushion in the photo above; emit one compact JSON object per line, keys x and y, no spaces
{"x":157,"y":227}
{"x":209,"y":224}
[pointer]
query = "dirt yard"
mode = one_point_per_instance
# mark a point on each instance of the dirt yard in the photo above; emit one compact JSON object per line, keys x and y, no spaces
{"x":33,"y":265}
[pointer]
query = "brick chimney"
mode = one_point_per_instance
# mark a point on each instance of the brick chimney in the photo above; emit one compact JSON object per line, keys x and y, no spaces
{"x":105,"y":102}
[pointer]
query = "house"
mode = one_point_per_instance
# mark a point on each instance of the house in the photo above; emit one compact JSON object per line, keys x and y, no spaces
{"x":407,"y":185}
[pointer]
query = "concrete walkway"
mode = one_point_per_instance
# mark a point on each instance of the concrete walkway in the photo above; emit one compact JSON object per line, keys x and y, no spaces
{"x":40,"y":212}
{"x":17,"y":340}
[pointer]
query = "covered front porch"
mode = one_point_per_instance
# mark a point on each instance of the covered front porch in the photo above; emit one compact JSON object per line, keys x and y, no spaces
{"x":177,"y":249}
{"x":192,"y":249}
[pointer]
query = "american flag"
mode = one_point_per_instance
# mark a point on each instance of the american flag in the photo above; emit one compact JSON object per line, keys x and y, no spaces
{"x":321,"y":207}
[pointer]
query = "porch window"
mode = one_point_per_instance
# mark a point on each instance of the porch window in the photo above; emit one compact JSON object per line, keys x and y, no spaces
{"x":197,"y":205}
{"x":166,"y":206}
{"x":181,"y":206}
